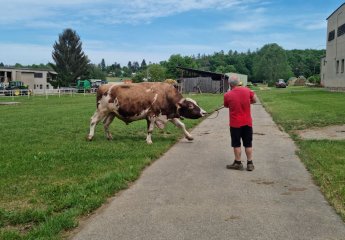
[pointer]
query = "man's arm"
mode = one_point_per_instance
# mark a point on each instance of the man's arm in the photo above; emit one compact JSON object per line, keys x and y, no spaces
{"x":225,"y":102}
{"x":253,"y":98}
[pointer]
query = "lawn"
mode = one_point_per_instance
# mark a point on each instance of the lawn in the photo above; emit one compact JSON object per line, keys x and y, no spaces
{"x":50,"y":175}
{"x":296,"y":108}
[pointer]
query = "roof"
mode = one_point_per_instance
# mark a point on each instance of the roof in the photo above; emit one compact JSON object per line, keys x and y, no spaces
{"x":200,"y":73}
{"x":335,"y":10}
{"x":28,"y":69}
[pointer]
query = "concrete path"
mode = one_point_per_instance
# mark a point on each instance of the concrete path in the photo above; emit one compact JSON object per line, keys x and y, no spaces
{"x":189,"y":194}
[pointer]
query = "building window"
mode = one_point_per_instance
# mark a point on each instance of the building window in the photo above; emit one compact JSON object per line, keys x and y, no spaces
{"x":342,"y":65}
{"x":331,"y":35}
{"x":341,"y":30}
{"x":41,"y":86}
{"x":337,"y":67}
{"x":34,"y":86}
{"x":38,"y":75}
{"x":47,"y":86}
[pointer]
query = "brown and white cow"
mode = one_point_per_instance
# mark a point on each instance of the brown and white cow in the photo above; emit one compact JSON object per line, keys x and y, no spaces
{"x":158,"y":103}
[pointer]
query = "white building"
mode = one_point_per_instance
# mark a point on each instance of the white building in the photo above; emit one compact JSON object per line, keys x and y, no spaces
{"x":332,"y":66}
{"x":37,"y":80}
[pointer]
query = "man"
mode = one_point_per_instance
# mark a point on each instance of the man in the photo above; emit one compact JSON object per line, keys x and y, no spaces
{"x":238,"y":100}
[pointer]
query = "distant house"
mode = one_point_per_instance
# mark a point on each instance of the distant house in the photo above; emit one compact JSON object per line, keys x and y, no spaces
{"x":332,"y":65}
{"x":36,"y":79}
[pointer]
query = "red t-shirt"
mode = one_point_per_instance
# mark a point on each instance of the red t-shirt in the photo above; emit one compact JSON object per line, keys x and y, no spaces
{"x":238,"y":101}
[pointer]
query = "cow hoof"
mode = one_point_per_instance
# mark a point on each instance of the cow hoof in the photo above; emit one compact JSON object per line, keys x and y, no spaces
{"x":89,"y":138}
{"x":189,"y":138}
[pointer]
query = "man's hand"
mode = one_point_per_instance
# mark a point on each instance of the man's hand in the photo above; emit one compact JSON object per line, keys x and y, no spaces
{"x":253,"y":100}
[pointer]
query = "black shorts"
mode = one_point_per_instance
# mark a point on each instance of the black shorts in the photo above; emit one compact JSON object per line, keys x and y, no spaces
{"x":245,"y":133}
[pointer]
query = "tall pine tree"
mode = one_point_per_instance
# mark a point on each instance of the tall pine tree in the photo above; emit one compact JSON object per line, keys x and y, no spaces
{"x":102,"y":65}
{"x":70,"y":60}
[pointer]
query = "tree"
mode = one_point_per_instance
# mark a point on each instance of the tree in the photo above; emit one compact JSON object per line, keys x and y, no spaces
{"x":139,"y":76}
{"x":95,"y":72}
{"x":115,"y":69}
{"x":126,"y":72}
{"x":271,"y":64}
{"x":135,"y":66}
{"x":2,"y":64}
{"x":156,"y":73}
{"x":177,"y":60}
{"x":143,"y":65}
{"x":102,"y":65}
{"x":305,"y":62}
{"x":70,"y":61}
{"x":226,"y":69}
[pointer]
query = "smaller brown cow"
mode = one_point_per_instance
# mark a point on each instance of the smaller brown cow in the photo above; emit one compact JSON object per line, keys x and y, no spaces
{"x":158,"y":103}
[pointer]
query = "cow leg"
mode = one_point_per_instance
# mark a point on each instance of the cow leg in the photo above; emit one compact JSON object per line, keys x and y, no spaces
{"x":106,"y":122}
{"x":150,"y":126}
{"x":181,"y":125}
{"x":97,"y":116}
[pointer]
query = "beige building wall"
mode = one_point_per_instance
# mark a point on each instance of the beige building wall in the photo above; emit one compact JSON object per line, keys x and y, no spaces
{"x":333,"y":66}
{"x":27,"y":78}
{"x":37,"y":80}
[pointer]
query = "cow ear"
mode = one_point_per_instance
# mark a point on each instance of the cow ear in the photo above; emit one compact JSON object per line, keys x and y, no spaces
{"x":182,"y":103}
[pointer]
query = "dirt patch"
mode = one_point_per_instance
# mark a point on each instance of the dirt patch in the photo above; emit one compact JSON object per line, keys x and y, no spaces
{"x":261,"y":181}
{"x":9,"y":103}
{"x":330,"y":133}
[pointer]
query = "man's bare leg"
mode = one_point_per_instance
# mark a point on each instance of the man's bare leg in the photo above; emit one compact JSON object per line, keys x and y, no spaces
{"x":237,"y":153}
{"x":249,"y":153}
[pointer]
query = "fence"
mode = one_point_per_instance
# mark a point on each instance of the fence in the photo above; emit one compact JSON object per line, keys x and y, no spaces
{"x":200,"y":85}
{"x":44,"y":92}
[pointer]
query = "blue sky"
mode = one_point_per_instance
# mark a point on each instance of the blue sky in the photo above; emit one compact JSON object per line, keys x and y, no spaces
{"x":132,"y":30}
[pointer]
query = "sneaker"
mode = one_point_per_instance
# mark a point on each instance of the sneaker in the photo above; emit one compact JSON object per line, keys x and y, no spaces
{"x":250,"y":167}
{"x":235,"y":166}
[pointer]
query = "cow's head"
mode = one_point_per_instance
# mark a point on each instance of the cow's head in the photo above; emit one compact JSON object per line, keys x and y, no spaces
{"x":188,"y":108}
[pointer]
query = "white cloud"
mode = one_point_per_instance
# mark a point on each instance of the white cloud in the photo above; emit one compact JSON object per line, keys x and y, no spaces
{"x":27,"y":54}
{"x":287,"y":40}
{"x":247,"y":25}
{"x":151,"y":53}
{"x":317,"y":25}
{"x":106,"y":11}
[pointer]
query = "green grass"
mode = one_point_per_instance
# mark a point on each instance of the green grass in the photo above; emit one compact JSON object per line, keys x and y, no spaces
{"x":302,"y":108}
{"x":50,"y":175}
{"x":116,"y":79}
{"x":326,"y":161}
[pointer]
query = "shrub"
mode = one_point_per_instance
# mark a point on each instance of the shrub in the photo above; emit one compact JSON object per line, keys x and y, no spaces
{"x":315,"y":79}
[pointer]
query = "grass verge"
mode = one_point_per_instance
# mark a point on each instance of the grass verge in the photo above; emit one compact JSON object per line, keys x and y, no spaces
{"x":297,"y":108}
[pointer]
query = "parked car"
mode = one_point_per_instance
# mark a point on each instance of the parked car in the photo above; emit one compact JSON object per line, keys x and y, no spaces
{"x":16,"y":88}
{"x":281,"y":84}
